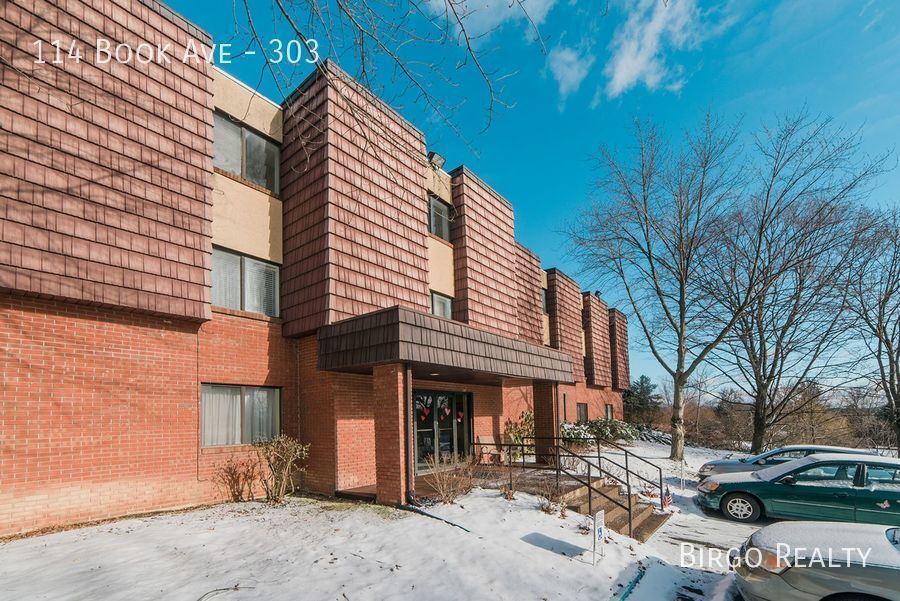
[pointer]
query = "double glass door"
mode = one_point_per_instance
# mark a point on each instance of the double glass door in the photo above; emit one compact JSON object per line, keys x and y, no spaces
{"x":443,"y":428}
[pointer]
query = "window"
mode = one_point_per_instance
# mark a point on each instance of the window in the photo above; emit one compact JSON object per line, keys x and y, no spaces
{"x":776,"y":458}
{"x":231,"y":415}
{"x":609,"y":411}
{"x":243,"y":283}
{"x":544,"y":300}
{"x":835,"y":474}
{"x":441,"y":305}
{"x":239,"y":150}
{"x":439,"y":217}
{"x":883,"y":478}
{"x":581,"y":411}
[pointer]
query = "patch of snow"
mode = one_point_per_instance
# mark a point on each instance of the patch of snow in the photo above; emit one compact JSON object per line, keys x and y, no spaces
{"x":310,"y":549}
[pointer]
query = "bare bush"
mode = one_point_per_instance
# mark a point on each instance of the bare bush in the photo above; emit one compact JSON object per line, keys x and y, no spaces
{"x":548,"y":495}
{"x":282,"y":459}
{"x":511,"y":486}
{"x":450,"y":479}
{"x":237,"y":477}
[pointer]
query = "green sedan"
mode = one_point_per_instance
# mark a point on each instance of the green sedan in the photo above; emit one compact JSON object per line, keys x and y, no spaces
{"x":831,"y":486}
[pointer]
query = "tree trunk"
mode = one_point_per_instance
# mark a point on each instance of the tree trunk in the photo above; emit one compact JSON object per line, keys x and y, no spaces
{"x":677,"y":452}
{"x":759,"y":424}
{"x":895,"y":407}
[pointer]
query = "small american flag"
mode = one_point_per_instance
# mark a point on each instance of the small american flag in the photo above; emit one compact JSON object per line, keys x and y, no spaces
{"x":667,"y":498}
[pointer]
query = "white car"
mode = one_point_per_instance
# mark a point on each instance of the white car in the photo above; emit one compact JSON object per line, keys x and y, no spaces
{"x":821,"y":561}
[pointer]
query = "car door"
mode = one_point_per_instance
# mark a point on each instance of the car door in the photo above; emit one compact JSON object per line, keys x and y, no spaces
{"x":878,"y":501}
{"x":819,"y":491}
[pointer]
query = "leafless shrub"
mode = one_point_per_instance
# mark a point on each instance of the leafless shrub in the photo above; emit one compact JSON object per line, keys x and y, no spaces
{"x":451,"y":479}
{"x":548,"y":495}
{"x":237,"y":477}
{"x":511,"y":485}
{"x":282,"y":459}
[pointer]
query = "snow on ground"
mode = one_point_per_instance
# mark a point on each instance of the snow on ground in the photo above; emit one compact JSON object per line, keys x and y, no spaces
{"x":482,"y":547}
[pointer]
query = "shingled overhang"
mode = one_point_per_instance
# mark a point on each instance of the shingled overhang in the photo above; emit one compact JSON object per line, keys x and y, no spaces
{"x":436,"y":348}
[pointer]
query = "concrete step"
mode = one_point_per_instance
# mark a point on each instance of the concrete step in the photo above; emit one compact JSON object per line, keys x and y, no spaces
{"x":644,"y":520}
{"x":580,"y":495}
{"x":649,"y":526}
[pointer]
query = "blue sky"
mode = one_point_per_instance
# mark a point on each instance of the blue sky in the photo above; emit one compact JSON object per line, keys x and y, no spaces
{"x":668,"y":62}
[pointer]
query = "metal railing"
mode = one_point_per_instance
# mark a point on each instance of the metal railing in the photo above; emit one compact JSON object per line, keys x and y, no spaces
{"x":549,"y":451}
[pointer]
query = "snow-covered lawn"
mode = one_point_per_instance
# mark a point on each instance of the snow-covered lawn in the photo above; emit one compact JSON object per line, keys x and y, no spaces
{"x":485,"y":547}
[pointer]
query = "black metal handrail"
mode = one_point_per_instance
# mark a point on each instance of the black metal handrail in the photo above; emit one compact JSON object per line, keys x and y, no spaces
{"x":590,"y":486}
{"x":628,"y":455}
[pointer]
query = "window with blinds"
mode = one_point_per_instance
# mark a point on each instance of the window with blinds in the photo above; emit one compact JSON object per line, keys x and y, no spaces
{"x":232,"y":415}
{"x":244,"y":283}
{"x":243,"y":152}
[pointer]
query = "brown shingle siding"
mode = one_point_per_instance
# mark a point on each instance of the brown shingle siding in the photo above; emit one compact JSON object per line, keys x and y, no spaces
{"x":106,"y":183}
{"x":355,"y":209}
{"x":565,"y":306}
{"x":484,"y":256}
{"x":528,"y":279}
{"x":618,"y":338}
{"x":597,"y":360}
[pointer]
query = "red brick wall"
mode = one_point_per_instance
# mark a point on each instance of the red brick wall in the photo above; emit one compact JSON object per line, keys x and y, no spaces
{"x":391,"y":410}
{"x":100,"y":408}
{"x":485,"y":259}
{"x":597,"y":359}
{"x":596,"y":398}
{"x":337,"y":418}
{"x":618,"y":340}
{"x":564,"y":304}
{"x":105,"y":169}
{"x":529,"y":282}
{"x":374,"y":206}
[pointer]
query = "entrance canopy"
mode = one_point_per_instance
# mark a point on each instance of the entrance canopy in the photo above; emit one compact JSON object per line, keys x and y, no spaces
{"x":436,"y":348}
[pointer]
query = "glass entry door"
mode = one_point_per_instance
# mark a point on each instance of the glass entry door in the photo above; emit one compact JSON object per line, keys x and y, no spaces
{"x":442,"y":428}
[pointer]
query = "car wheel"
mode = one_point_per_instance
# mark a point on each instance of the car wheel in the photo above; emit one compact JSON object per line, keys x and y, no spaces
{"x":741,"y":508}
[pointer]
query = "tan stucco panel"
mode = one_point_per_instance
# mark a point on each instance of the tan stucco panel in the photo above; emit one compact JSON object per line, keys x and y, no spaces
{"x":438,"y":183}
{"x":246,"y":220}
{"x":546,"y":327}
{"x":440,"y":267}
{"x":241,"y":102}
{"x":544,"y":279}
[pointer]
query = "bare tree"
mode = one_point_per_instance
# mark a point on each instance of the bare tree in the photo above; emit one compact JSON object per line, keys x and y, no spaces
{"x":876,"y":300}
{"x":419,"y":47}
{"x":653,"y":231}
{"x":796,"y":328}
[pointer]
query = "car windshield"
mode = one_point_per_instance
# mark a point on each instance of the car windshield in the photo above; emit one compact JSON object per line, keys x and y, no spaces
{"x":776,"y":471}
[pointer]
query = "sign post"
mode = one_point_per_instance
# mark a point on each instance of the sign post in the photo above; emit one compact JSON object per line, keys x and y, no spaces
{"x":599,"y":534}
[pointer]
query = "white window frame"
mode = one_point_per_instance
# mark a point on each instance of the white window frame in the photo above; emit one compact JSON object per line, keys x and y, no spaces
{"x":243,"y":281}
{"x":275,"y":189}
{"x":243,"y":398}
{"x":438,"y":295}
{"x":433,"y":198}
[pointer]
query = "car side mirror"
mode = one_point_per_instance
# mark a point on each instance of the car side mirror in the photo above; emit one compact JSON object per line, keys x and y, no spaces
{"x":760,"y":462}
{"x":788,"y":480}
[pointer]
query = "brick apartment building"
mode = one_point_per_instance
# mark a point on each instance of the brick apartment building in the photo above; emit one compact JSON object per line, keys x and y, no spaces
{"x":186,"y":266}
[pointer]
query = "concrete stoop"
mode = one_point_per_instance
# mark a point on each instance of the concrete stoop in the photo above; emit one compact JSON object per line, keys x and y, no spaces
{"x":645,"y":519}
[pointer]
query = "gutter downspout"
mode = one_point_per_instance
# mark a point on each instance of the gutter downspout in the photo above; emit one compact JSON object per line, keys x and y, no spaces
{"x":410,"y":447}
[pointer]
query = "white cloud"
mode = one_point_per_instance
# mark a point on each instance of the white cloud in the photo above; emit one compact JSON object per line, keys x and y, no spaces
{"x":653,"y":28}
{"x":482,"y":17}
{"x":569,"y":68}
